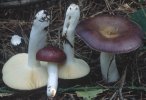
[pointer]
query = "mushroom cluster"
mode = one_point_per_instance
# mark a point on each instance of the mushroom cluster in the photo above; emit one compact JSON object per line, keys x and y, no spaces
{"x":22,"y":71}
{"x":40,"y":66}
{"x":43,"y":65}
{"x":110,"y":35}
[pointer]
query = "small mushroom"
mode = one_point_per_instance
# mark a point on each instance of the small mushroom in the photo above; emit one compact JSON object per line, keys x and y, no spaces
{"x":53,"y":56}
{"x":16,"y":40}
{"x":22,"y":71}
{"x":110,"y":35}
{"x":73,"y":67}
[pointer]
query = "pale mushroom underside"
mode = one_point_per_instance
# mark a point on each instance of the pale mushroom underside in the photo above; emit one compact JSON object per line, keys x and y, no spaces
{"x":73,"y":70}
{"x":18,"y":75}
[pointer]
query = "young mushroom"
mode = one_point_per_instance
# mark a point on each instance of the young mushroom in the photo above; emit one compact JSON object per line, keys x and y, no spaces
{"x":22,"y":71}
{"x":16,"y":40}
{"x":110,"y":35}
{"x":73,"y":67}
{"x":53,"y":56}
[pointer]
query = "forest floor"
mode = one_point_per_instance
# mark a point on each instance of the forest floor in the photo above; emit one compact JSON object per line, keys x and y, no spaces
{"x":18,"y":20}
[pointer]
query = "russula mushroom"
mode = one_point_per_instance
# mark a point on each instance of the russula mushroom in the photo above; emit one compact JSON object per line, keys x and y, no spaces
{"x":110,"y":35}
{"x":53,"y":56}
{"x":73,"y":67}
{"x":22,"y":71}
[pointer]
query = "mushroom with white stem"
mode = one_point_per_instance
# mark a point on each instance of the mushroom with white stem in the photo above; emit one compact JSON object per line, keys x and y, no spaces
{"x":110,"y":35}
{"x":54,"y":56}
{"x":73,"y":68}
{"x":22,"y":71}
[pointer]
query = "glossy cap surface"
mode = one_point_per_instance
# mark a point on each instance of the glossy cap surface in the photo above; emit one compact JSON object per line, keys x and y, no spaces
{"x":51,"y":54}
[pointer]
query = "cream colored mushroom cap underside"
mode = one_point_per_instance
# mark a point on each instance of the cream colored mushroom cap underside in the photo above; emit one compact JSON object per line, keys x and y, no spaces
{"x":17,"y":75}
{"x":77,"y":69}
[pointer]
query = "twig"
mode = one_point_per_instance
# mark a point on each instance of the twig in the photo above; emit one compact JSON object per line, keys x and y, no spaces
{"x":122,"y":84}
{"x":114,"y":95}
{"x":108,"y":6}
{"x":119,"y":91}
{"x":23,"y":35}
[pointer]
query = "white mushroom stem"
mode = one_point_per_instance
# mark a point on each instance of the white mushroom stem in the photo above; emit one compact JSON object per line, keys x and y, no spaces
{"x":108,"y":67}
{"x":37,"y":38}
{"x":69,"y":51}
{"x":71,"y":20}
{"x":52,"y":79}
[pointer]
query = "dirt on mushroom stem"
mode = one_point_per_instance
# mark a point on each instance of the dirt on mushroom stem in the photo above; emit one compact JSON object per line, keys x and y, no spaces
{"x":20,"y":23}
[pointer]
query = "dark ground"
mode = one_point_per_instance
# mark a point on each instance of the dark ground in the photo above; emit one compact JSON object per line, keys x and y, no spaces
{"x":17,"y":20}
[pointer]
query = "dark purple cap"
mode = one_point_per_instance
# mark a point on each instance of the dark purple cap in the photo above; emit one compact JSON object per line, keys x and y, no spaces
{"x":112,"y":34}
{"x":51,"y":54}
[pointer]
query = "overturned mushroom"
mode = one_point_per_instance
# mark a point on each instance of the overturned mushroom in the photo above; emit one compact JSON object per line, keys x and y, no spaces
{"x":22,"y":71}
{"x":110,"y":35}
{"x":73,"y":67}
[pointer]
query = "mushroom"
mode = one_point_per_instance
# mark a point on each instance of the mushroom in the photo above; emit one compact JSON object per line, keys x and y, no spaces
{"x":53,"y":56}
{"x":110,"y":35}
{"x":22,"y":71}
{"x":16,"y":40}
{"x":73,"y":67}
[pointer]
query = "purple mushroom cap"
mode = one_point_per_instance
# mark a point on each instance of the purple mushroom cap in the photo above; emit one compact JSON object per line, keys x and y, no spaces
{"x":111,"y":34}
{"x":51,"y":54}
